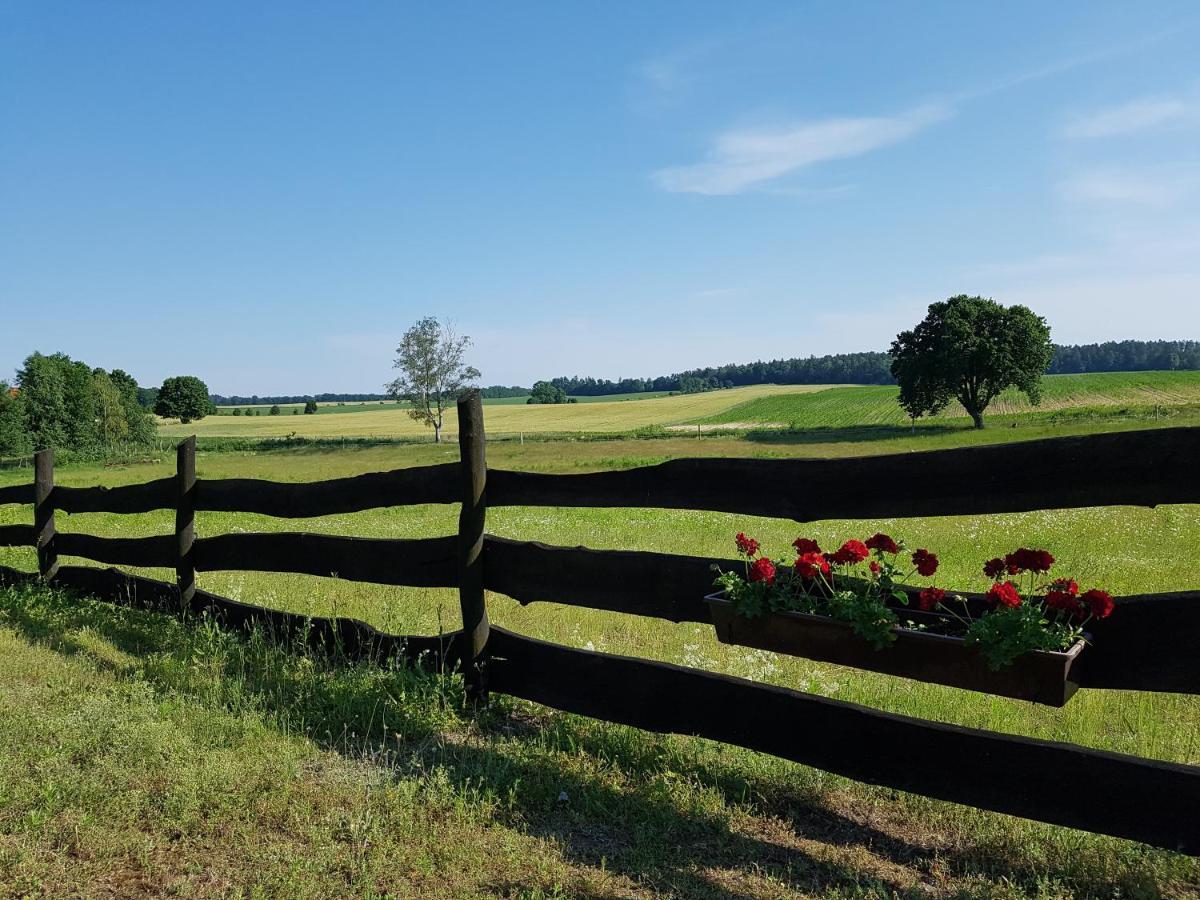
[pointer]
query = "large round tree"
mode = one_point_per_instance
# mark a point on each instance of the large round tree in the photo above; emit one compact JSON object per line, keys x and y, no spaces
{"x":970,"y":349}
{"x":183,"y":397}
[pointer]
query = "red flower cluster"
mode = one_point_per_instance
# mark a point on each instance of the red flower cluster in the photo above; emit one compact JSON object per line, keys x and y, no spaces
{"x":994,"y":568}
{"x":930,"y":598}
{"x":1099,"y":602}
{"x":746,"y":546}
{"x":763,"y":569}
{"x":1064,"y":595}
{"x":849,"y":553}
{"x":1003,"y":593}
{"x":926,"y":562}
{"x":1026,"y":560}
{"x":806,"y":545}
{"x":883,"y":543}
{"x":811,"y":564}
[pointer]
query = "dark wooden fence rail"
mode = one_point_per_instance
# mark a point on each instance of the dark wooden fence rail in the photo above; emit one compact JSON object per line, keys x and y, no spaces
{"x":1141,"y":468}
{"x":1148,"y":645}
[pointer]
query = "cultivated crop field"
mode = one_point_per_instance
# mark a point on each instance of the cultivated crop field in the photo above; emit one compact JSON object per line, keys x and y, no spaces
{"x":366,"y":781}
{"x":1070,"y":396}
{"x":603,"y":415}
{"x":357,"y":406}
{"x":1104,"y":396}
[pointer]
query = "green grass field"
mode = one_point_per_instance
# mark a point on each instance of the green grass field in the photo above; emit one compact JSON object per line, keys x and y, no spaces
{"x":357,"y":406}
{"x":601,"y":415}
{"x":870,"y":410}
{"x":1064,"y":396}
{"x":290,"y":777}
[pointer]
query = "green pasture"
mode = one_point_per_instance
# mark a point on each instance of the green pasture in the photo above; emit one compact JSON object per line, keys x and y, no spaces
{"x":1106,"y":394}
{"x":753,"y":825}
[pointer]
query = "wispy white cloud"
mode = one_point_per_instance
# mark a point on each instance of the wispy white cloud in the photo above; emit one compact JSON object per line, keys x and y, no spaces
{"x":1129,"y":187}
{"x":1127,"y":118}
{"x":741,"y":159}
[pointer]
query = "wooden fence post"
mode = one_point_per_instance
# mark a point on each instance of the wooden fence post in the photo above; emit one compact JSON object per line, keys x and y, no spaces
{"x":185,"y":521}
{"x":43,"y":513}
{"x":473,"y":460}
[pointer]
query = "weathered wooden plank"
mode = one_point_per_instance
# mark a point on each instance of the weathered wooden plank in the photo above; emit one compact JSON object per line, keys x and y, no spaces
{"x":16,"y":493}
{"x":17,"y":536}
{"x":425,"y":562}
{"x":661,"y":585}
{"x":158,"y":550}
{"x":349,"y":638}
{"x":43,"y":513}
{"x":423,"y":484}
{"x":129,"y":498}
{"x":1143,"y":800}
{"x":472,"y":445}
{"x":1138,"y":468}
{"x":1147,"y":645}
{"x":185,"y":520}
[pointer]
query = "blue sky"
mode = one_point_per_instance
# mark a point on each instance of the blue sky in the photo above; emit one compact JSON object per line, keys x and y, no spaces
{"x":267,"y":195}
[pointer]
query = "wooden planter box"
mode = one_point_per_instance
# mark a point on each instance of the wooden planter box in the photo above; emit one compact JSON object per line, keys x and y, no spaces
{"x":1040,"y":676}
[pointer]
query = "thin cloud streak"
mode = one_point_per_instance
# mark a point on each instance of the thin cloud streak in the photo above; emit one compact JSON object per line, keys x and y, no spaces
{"x":741,"y":159}
{"x":1129,"y":187}
{"x":1127,"y":118}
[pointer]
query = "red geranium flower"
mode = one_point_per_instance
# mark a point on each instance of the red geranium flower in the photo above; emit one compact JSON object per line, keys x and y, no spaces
{"x":925,"y":562}
{"x":930,"y":597}
{"x":994,"y":568}
{"x":874,"y":567}
{"x":1062,"y":595}
{"x":883,"y":543}
{"x":1026,"y":560}
{"x":809,"y":565}
{"x":1003,"y":593}
{"x":851,"y":552}
{"x":762,"y":569}
{"x":1101,"y":602}
{"x":806,"y":545}
{"x":745,"y":545}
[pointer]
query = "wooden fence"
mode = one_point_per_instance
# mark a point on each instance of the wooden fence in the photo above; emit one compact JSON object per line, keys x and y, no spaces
{"x":1152,"y":643}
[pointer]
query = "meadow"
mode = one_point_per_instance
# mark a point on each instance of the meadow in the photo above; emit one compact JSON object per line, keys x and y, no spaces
{"x":1096,"y":395}
{"x":361,"y":780}
{"x":357,"y":406}
{"x":602,"y":415}
{"x":870,"y":410}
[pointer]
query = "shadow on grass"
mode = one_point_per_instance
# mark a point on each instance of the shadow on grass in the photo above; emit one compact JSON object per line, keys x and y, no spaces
{"x":664,"y":813}
{"x":852,"y":434}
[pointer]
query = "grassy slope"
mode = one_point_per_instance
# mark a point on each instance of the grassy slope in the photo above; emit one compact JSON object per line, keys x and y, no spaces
{"x":392,"y":421}
{"x":776,"y":818}
{"x":875,"y":405}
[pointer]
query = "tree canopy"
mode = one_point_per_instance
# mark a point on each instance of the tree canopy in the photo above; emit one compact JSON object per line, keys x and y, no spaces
{"x":62,"y":403}
{"x":545,"y":392}
{"x":970,"y":349}
{"x":432,"y":371}
{"x":184,"y":397}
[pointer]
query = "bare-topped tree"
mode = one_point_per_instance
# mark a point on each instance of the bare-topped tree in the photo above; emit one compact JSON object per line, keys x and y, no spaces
{"x":430,"y":356}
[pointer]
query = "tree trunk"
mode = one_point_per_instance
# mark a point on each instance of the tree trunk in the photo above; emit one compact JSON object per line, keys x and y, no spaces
{"x":977,"y":418}
{"x":437,"y":432}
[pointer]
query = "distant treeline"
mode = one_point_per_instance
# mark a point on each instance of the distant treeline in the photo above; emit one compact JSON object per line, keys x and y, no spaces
{"x":1126,"y":356}
{"x":284,"y":399}
{"x":843,"y":368}
{"x":875,"y":368}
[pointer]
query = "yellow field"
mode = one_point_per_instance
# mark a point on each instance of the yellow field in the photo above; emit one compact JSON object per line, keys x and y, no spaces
{"x":617,"y":415}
